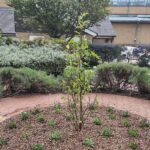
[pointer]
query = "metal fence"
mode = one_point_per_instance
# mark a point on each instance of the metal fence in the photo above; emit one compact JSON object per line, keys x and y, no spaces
{"x":131,"y":2}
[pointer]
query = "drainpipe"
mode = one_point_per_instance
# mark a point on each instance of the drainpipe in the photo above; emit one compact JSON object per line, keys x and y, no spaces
{"x":136,"y":40}
{"x":128,"y":10}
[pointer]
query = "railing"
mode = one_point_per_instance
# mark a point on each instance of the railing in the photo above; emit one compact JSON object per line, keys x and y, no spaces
{"x":131,"y":2}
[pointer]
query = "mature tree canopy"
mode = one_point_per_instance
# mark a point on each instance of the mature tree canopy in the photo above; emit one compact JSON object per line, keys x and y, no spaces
{"x":58,"y":17}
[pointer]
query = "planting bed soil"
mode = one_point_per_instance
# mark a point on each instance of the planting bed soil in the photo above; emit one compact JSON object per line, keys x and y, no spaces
{"x":51,"y":129}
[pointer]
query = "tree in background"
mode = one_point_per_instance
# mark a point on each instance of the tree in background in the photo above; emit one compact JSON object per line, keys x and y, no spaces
{"x":58,"y":17}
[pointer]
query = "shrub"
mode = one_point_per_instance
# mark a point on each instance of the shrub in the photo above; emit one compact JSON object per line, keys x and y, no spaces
{"x":144,"y":61}
{"x":55,"y":135}
{"x":133,"y":132}
{"x":38,"y":147}
{"x":133,"y":145}
{"x":116,"y":77}
{"x":88,"y":142}
{"x":97,"y":121}
{"x":24,"y":115}
{"x":3,"y":141}
{"x":106,"y":132}
{"x":12,"y":124}
{"x":125,"y":114}
{"x":52,"y":122}
{"x":26,"y":80}
{"x":48,"y":59}
{"x":144,"y":81}
{"x":107,"y":52}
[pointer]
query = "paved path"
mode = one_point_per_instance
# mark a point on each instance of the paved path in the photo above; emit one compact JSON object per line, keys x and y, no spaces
{"x":14,"y":105}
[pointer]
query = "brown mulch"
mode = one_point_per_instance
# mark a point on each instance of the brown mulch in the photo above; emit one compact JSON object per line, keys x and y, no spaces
{"x":38,"y":133}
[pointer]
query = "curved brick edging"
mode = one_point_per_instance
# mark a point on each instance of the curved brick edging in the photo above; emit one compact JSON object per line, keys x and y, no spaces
{"x":14,"y":105}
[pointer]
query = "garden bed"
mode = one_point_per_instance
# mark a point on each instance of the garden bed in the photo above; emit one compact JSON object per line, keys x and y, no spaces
{"x":50,"y":129}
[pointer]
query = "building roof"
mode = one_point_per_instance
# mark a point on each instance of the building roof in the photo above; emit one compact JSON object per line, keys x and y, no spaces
{"x":130,"y":18}
{"x":7,"y":23}
{"x":103,"y":28}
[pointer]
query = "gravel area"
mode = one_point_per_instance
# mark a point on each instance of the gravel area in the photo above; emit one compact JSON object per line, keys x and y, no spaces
{"x":30,"y":132}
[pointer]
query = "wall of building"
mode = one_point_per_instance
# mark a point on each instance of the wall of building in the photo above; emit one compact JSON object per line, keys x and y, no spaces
{"x":140,"y":10}
{"x":99,"y":41}
{"x":132,"y":33}
{"x":3,"y":3}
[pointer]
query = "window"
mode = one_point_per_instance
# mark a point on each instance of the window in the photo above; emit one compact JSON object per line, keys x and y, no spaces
{"x":131,"y":2}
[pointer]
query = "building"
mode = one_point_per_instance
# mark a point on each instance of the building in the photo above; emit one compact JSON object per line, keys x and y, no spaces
{"x":7,"y":23}
{"x":102,"y":32}
{"x":131,"y":21}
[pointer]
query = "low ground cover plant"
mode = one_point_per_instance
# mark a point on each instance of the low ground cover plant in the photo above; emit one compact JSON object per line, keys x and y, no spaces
{"x":133,"y":145}
{"x":38,"y":147}
{"x":3,"y":141}
{"x":133,"y":132}
{"x":55,"y":135}
{"x":88,"y":142}
{"x":24,"y":115}
{"x":97,"y":121}
{"x":144,"y":123}
{"x":12,"y":124}
{"x":52,"y":122}
{"x":126,"y":123}
{"x":106,"y":132}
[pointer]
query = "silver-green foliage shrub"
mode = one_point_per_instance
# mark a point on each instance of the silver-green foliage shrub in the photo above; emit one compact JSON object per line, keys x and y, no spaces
{"x":122,"y":77}
{"x":49,"y":59}
{"x":26,"y":80}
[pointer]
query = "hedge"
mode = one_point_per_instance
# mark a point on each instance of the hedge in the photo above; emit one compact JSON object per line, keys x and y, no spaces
{"x":25,"y":80}
{"x":49,"y":59}
{"x":107,"y":52}
{"x":116,"y":77}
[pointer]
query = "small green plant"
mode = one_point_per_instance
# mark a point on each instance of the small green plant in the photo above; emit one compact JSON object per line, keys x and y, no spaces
{"x":12,"y":124}
{"x":24,"y":135}
{"x":88,"y":142}
{"x":3,"y":141}
{"x":144,"y":123}
{"x":55,"y":135}
{"x":41,"y":118}
{"x":93,"y":106}
{"x":133,"y":133}
{"x":106,"y":132}
{"x":110,"y":110}
{"x":133,"y":145}
{"x":126,"y":114}
{"x":126,"y":123}
{"x":36,"y":111}
{"x":38,"y":147}
{"x":69,"y":117}
{"x":112,"y":116}
{"x":24,"y":115}
{"x":97,"y":121}
{"x":28,"y":125}
{"x":52,"y":123}
{"x":57,"y":108}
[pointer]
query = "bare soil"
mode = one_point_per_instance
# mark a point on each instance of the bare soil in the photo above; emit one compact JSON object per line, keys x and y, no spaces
{"x":32,"y":132}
